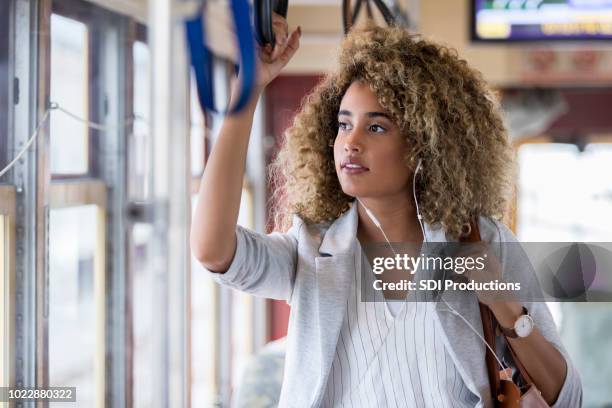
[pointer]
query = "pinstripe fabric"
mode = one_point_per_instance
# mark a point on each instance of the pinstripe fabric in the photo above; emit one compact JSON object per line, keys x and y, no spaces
{"x":392,"y":359}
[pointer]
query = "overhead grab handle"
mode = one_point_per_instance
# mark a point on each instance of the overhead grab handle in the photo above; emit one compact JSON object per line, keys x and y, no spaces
{"x":350,"y":13}
{"x":202,"y":58}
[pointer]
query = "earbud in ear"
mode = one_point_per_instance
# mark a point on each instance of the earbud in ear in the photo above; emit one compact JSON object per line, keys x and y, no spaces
{"x":419,"y":166}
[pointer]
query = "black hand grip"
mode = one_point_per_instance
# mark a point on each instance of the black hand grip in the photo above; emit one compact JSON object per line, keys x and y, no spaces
{"x":264,"y":30}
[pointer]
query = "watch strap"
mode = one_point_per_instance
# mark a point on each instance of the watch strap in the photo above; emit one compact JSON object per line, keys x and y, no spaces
{"x":510,"y":331}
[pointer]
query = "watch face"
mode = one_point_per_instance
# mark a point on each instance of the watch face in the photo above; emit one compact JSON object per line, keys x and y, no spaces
{"x":524,"y":326}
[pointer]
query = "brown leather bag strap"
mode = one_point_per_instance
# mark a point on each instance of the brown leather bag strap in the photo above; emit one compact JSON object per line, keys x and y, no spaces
{"x":474,"y":235}
{"x":488,"y":325}
{"x":505,"y":393}
{"x":519,"y":365}
{"x":488,"y":330}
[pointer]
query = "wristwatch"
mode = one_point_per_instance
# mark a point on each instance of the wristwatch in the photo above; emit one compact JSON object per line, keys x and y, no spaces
{"x":523,"y":326}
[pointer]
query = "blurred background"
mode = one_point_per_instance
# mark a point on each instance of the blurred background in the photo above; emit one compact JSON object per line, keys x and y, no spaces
{"x":98,"y":288}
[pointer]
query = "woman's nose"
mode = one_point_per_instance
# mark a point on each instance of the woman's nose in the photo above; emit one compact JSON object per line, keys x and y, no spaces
{"x":353,"y":142}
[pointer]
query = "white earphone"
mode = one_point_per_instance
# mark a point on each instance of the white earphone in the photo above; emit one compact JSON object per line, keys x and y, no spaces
{"x":420,"y":218}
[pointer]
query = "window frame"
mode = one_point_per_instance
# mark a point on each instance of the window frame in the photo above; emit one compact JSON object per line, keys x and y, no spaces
{"x":545,"y":138}
{"x":70,"y":190}
{"x":7,"y":285}
{"x":511,"y":218}
{"x":70,"y":194}
{"x":5,"y":103}
{"x":90,"y":15}
{"x":135,"y":32}
{"x":109,"y":83}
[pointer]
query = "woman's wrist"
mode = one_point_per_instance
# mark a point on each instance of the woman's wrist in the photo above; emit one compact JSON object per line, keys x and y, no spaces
{"x":236,"y":89}
{"x":506,"y":313}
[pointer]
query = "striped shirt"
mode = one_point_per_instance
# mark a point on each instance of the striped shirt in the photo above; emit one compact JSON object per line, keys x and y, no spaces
{"x":392,"y":356}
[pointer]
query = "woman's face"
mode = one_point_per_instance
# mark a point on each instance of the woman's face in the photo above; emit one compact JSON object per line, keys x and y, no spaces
{"x":368,"y":150}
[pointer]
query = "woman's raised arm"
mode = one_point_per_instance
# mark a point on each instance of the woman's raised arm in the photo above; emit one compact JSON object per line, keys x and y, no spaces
{"x":213,"y":227}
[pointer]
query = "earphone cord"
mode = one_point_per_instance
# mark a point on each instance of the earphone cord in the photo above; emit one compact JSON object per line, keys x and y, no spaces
{"x":387,"y":239}
{"x":420,"y":218}
{"x":416,"y":202}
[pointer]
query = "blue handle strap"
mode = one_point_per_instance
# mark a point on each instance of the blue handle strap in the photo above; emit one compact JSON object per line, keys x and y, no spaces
{"x":201,"y":58}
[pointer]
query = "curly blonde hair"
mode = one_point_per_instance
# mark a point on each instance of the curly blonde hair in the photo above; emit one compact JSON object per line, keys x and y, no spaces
{"x":444,"y":108}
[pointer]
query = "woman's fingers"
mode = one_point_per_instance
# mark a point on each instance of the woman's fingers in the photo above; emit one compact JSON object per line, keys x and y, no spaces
{"x":270,"y":52}
{"x":280,"y":35}
{"x":273,"y":59}
{"x":280,"y":27}
{"x":278,"y":49}
{"x":283,"y":53}
{"x":282,"y":44}
{"x":293,"y":43}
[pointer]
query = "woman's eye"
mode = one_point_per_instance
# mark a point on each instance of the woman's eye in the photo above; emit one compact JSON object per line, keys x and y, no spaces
{"x":346,"y":126}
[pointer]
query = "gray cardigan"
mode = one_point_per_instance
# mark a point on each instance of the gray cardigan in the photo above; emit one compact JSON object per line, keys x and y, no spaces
{"x":310,"y":267}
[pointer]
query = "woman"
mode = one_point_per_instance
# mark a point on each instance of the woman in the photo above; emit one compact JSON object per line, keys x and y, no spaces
{"x":346,"y":178}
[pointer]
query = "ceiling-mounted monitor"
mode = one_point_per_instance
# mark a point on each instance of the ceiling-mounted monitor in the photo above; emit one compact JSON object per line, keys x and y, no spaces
{"x":541,"y":20}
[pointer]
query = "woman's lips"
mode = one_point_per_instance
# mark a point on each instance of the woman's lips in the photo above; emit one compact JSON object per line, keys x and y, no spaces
{"x":354,"y":169}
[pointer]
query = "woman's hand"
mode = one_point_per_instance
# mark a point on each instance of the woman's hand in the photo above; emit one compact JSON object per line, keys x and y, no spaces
{"x":270,"y":61}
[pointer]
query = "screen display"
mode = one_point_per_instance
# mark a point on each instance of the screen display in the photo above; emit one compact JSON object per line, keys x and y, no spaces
{"x":541,"y":20}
